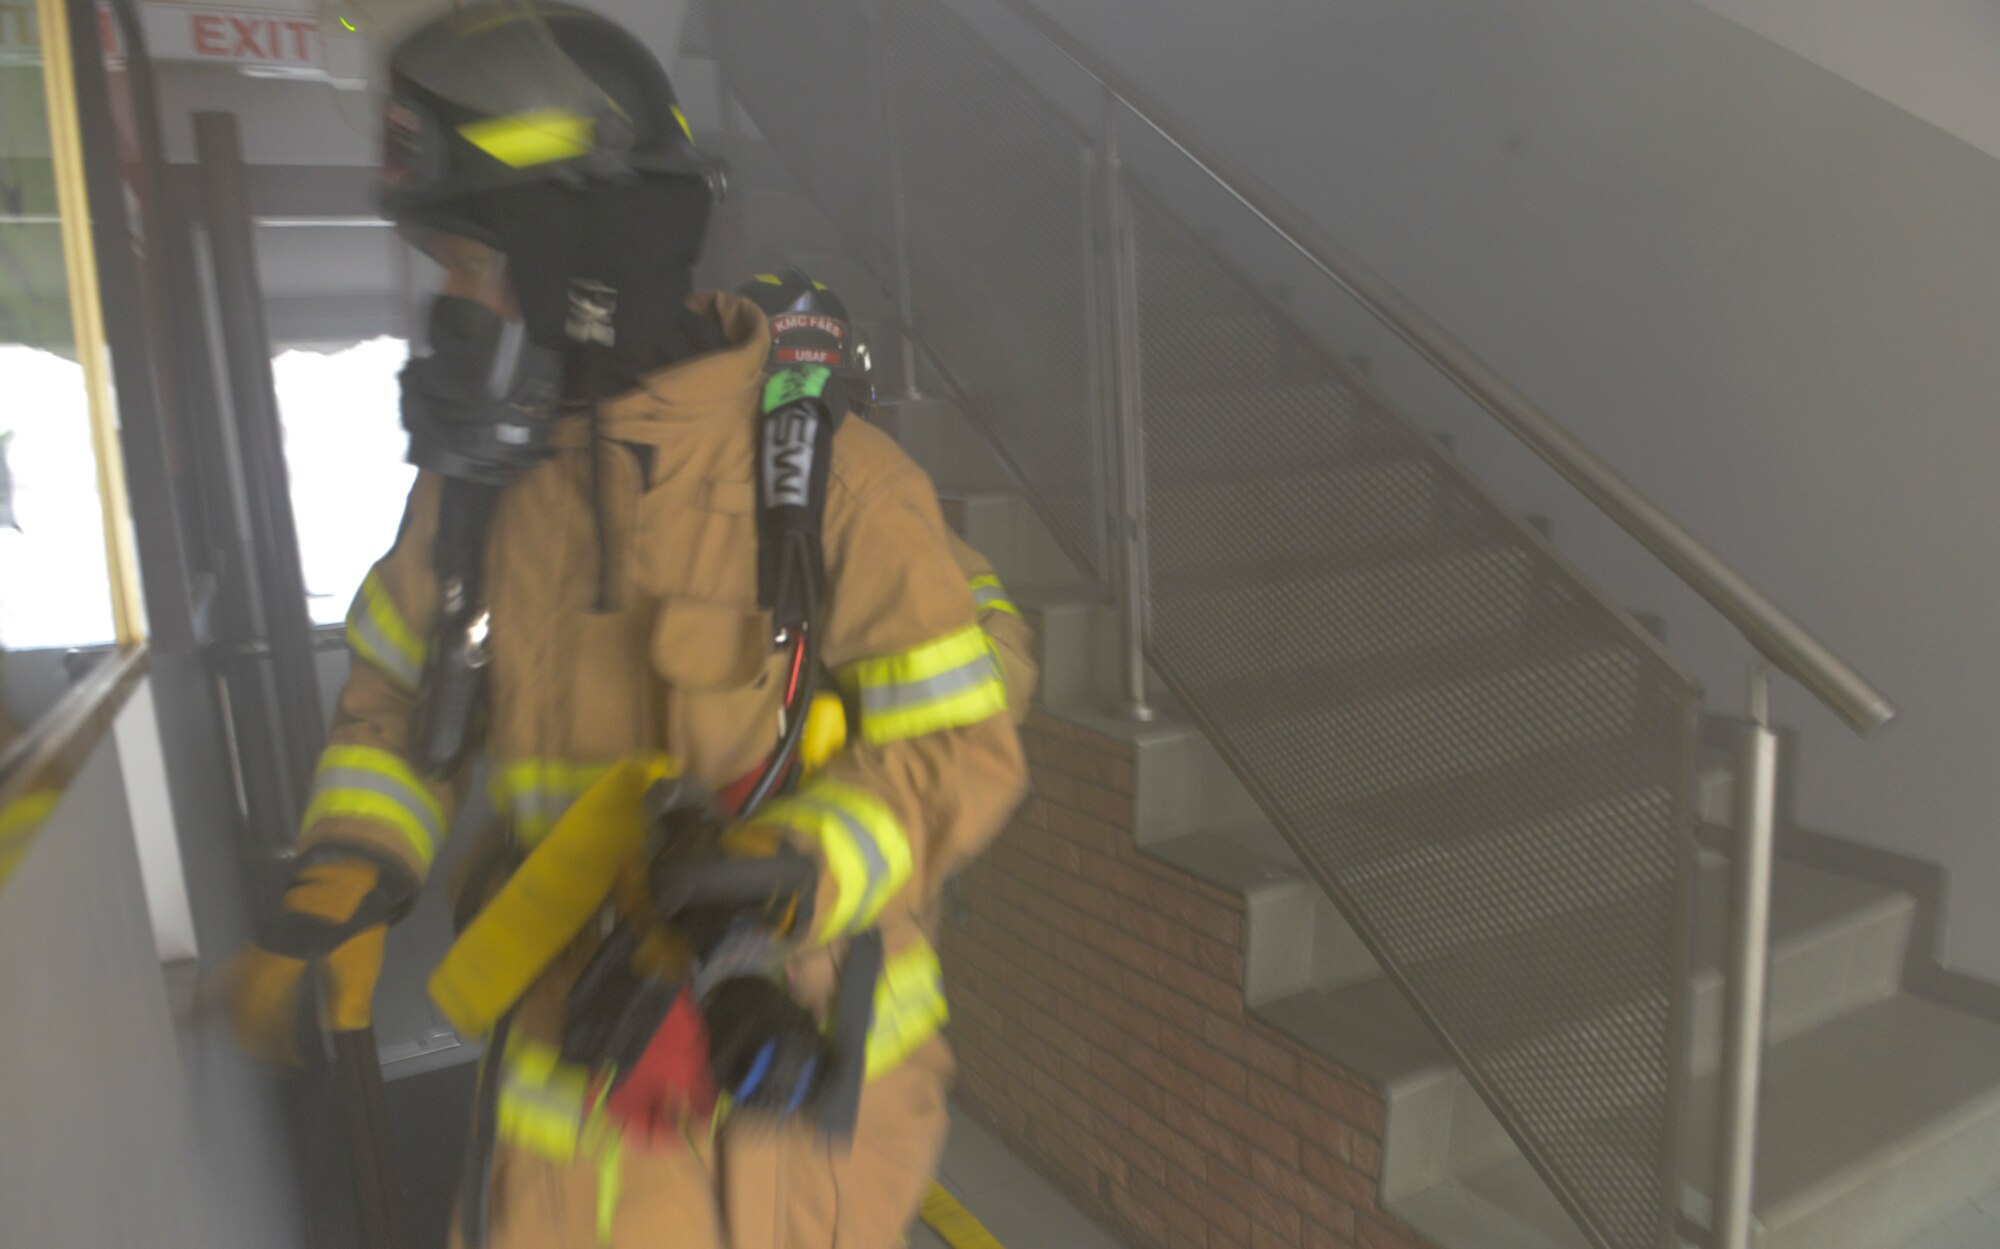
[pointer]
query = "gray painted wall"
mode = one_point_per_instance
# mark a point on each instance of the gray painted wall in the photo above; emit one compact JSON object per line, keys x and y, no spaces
{"x":1933,"y":57}
{"x":1765,"y":294}
{"x":127,"y":1126}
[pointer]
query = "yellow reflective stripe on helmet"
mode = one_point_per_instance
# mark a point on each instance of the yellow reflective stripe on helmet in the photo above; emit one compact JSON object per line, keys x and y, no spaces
{"x":910,"y":1008}
{"x":682,"y":118}
{"x":542,"y":1101}
{"x":377,"y":632}
{"x":947,"y":684}
{"x":539,"y":137}
{"x":989,"y":595}
{"x":534,"y":793}
{"x":364,"y":782}
{"x":865,"y":849}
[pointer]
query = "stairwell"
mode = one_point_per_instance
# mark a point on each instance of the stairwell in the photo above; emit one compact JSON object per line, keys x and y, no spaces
{"x":1160,"y":1007}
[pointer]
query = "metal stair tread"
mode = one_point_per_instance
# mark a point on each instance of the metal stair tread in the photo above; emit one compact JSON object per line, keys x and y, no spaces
{"x":1179,"y":409}
{"x":1553,"y":779}
{"x":1407,"y":737}
{"x":1298,"y":690}
{"x":1361,"y":450}
{"x":1170,"y":583}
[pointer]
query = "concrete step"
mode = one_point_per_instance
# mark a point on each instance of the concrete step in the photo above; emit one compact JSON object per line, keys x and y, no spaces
{"x":938,"y":436}
{"x":1877,"y":1128}
{"x":1299,"y":941}
{"x":1874,"y":1125}
{"x":1500,"y":1209}
{"x":1837,"y":945}
{"x":1005,"y":528}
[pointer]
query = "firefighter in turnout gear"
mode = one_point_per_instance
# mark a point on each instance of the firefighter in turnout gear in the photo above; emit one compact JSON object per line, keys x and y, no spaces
{"x":599,"y":584}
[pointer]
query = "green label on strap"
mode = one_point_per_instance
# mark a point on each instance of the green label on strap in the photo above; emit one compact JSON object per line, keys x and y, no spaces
{"x":804,"y":382}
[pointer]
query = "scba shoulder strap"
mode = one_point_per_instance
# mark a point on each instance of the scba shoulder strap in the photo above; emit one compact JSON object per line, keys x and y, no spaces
{"x":794,"y":456}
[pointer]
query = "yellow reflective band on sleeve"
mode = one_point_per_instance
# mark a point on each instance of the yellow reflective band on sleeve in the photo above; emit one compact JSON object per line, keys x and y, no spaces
{"x":542,"y":1101}
{"x":18,"y":821}
{"x":367,"y":783}
{"x":610,"y":1185}
{"x":989,"y":595}
{"x":534,"y":793}
{"x":377,"y":632}
{"x":865,"y":850}
{"x":910,"y":1008}
{"x":947,"y":684}
{"x":539,"y":137}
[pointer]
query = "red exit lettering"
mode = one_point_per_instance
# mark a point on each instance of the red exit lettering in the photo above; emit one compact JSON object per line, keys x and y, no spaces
{"x":208,"y":35}
{"x":253,"y":38}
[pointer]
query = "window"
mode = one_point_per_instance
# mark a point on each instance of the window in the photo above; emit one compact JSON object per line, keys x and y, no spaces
{"x":344,"y":446}
{"x":55,"y":590}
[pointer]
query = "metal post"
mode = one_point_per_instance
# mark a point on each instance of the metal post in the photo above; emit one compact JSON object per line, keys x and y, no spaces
{"x":899,"y":211}
{"x":1129,"y":557}
{"x":1749,"y":969}
{"x":279,"y":598}
{"x":1098,"y":398}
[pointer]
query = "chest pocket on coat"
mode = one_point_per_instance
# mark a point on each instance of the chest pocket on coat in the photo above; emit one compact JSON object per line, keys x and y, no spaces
{"x":707,"y":647}
{"x":709,"y":635}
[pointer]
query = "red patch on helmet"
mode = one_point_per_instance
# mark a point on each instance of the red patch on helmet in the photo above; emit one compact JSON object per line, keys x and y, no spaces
{"x":809,"y":355}
{"x":402,"y":147}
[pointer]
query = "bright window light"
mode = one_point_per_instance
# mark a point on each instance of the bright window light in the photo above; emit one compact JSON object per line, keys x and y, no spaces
{"x":344,"y":445}
{"x":55,"y":586}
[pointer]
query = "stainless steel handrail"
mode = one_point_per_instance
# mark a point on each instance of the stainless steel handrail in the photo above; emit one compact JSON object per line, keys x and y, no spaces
{"x":1786,"y":643}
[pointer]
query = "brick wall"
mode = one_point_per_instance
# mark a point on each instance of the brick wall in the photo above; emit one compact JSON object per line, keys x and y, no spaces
{"x":1098,"y":1014}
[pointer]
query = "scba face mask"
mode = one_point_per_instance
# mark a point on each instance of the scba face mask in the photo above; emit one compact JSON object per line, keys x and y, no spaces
{"x":480,"y":404}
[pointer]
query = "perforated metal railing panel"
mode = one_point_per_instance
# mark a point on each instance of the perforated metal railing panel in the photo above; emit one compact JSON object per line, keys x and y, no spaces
{"x":804,"y":73}
{"x":997,"y":197}
{"x":1485,"y":764}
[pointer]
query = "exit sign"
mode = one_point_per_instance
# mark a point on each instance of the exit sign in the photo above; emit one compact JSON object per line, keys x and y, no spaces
{"x":255,"y":39}
{"x":250,"y":37}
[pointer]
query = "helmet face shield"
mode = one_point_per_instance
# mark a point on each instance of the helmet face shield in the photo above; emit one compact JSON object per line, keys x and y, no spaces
{"x":516,"y":91}
{"x":498,"y":59}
